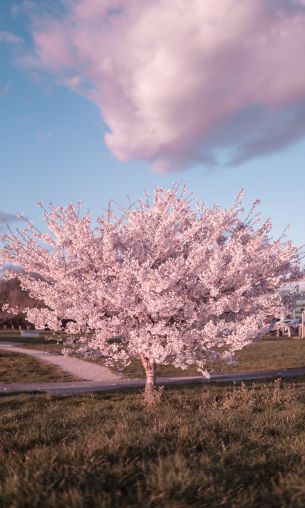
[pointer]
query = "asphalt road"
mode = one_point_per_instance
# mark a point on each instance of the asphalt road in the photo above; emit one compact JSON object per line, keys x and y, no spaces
{"x":78,"y":387}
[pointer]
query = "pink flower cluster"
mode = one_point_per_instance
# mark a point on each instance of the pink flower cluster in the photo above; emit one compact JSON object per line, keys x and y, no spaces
{"x":169,"y":279}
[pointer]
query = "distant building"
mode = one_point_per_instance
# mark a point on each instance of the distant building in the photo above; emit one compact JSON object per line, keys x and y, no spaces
{"x":298,"y":302}
{"x":299,"y":306}
{"x":291,"y":324}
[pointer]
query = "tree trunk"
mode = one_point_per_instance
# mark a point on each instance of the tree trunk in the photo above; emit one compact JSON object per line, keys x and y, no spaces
{"x":150,"y":394}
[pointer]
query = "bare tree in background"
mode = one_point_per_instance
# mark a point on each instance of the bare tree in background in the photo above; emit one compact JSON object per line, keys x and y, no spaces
{"x":12,"y":294}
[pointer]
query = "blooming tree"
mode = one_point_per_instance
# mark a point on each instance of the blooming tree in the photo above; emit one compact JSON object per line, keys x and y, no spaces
{"x":168,"y":281}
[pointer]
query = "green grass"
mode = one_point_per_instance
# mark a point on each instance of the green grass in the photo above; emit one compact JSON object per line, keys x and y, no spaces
{"x":267,"y":354}
{"x":270,"y":353}
{"x":52,"y":347}
{"x":19,"y":368}
{"x":17,"y":338}
{"x":40,"y":343}
{"x":201,"y":447}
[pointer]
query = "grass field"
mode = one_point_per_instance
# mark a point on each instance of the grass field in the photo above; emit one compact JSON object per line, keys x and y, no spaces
{"x":50,"y":347}
{"x":270,"y":353}
{"x":40,"y":343}
{"x":201,"y":447}
{"x":19,"y":368}
{"x":265,"y":355}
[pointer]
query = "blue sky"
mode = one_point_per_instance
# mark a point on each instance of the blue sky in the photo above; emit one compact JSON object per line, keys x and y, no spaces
{"x":52,"y":149}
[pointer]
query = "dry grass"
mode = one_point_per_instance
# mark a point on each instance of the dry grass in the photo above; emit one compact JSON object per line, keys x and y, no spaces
{"x":201,"y":447}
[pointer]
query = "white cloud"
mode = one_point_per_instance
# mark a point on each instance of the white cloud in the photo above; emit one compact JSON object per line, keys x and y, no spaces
{"x":179,"y":81}
{"x":10,"y":38}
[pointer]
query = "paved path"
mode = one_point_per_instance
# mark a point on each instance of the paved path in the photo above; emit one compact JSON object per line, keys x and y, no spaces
{"x":76,"y":387}
{"x":78,"y":368}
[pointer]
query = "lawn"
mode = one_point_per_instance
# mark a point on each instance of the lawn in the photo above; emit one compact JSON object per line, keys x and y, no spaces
{"x":201,"y":447}
{"x":19,"y":368}
{"x":269,"y":353}
{"x":44,"y":344}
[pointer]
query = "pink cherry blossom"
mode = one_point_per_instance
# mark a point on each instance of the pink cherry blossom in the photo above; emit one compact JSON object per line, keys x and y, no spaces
{"x":168,"y":281}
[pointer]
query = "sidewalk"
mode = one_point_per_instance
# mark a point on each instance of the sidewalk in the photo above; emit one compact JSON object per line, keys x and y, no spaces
{"x":79,"y":368}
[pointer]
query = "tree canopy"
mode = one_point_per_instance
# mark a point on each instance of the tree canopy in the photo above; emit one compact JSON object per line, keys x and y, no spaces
{"x":168,"y":280}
